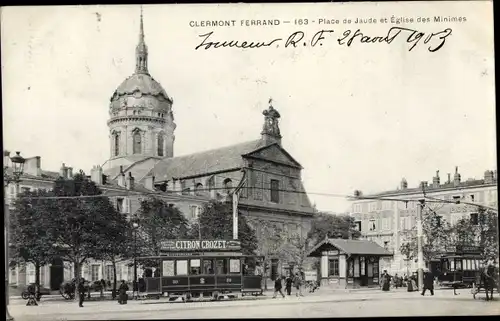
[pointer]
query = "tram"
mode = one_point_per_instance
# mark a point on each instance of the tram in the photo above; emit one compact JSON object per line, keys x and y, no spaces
{"x":188,"y":269}
{"x":458,"y":268}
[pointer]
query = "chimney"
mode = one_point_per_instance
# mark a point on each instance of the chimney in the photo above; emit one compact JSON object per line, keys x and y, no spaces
{"x":121,"y":177}
{"x":423,"y":184}
{"x":63,"y":171}
{"x":149,"y":182}
{"x":488,"y":177}
{"x":449,"y":179}
{"x":436,"y":180}
{"x":6,"y":158}
{"x":96,"y":175}
{"x":404,"y":183}
{"x":32,"y":166}
{"x":130,"y":181}
{"x":456,"y":177}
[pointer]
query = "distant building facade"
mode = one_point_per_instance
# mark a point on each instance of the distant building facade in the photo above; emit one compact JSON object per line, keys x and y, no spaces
{"x":387,"y":222}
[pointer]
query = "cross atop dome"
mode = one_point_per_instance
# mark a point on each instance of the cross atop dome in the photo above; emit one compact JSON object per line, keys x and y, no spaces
{"x":141,"y":52}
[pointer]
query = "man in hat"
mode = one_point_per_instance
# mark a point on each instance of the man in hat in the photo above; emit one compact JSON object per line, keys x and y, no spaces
{"x":428,"y":282}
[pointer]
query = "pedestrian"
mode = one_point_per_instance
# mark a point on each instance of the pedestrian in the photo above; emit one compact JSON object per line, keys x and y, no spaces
{"x":396,"y":281}
{"x":123,"y":296}
{"x":386,"y":281}
{"x":288,"y":284}
{"x":103,"y":287}
{"x":277,"y":287}
{"x":298,"y":284}
{"x":81,"y":292}
{"x":428,"y":282}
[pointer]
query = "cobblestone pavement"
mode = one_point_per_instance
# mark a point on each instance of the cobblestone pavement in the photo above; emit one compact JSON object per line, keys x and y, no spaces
{"x":362,"y":304}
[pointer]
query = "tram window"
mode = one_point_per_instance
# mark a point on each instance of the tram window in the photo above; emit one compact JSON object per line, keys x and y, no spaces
{"x":234,"y":266}
{"x":221,"y":266}
{"x":452,"y":265}
{"x":208,"y":267}
{"x":458,"y":265}
{"x":195,"y":266}
{"x":465,"y":264}
{"x":182,"y":267}
{"x":168,"y":268}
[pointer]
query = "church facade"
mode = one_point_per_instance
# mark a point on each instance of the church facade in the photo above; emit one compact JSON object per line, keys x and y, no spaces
{"x":142,"y":162}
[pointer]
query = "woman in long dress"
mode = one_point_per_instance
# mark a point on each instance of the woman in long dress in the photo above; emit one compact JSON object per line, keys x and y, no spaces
{"x":386,"y":281}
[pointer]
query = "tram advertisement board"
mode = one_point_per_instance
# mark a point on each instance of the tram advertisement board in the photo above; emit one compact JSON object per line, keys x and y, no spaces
{"x":205,"y":245}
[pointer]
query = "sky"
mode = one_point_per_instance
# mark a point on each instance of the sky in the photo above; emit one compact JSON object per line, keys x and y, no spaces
{"x":358,"y":117}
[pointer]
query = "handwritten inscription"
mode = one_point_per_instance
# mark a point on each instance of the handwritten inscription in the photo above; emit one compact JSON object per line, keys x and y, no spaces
{"x":434,"y":41}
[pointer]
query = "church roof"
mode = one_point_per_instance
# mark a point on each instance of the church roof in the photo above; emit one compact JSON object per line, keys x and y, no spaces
{"x":202,"y":163}
{"x":143,"y":83}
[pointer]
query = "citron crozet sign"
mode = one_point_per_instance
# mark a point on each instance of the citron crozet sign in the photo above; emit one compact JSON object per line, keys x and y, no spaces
{"x":190,"y":245}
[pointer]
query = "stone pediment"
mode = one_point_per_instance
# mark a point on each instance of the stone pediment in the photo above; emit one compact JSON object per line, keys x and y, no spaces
{"x":274,"y":153}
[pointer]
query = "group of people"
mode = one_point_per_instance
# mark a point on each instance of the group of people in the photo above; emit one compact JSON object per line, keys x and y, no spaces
{"x":388,"y":280}
{"x":122,"y":292}
{"x":290,"y":281}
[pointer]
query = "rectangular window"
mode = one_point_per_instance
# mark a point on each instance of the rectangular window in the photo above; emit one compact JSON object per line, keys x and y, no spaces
{"x":25,"y":189}
{"x":358,"y":225}
{"x":109,"y":273}
{"x":168,"y":268}
{"x":221,"y":266}
{"x":362,"y":265}
{"x":182,"y":267}
{"x":208,"y":267}
{"x":94,"y":272}
{"x":474,"y":218}
{"x":333,"y":267}
{"x":234,"y":266}
{"x":472,"y":196}
{"x":195,"y":267}
{"x":275,"y":194}
{"x":119,"y":204}
{"x":456,"y":198}
{"x":193,"y":211}
{"x":373,"y":226}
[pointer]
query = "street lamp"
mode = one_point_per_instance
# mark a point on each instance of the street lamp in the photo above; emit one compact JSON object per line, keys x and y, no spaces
{"x":135,"y":287}
{"x":13,"y":176}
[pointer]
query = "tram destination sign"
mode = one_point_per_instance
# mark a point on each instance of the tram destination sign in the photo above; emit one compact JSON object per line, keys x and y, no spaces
{"x":200,"y":245}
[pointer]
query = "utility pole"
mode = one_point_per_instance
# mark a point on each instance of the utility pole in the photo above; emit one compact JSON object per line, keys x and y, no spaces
{"x":235,"y":198}
{"x":420,"y":237}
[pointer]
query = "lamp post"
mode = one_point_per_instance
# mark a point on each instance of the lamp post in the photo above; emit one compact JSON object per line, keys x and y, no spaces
{"x":14,"y":177}
{"x":135,"y":287}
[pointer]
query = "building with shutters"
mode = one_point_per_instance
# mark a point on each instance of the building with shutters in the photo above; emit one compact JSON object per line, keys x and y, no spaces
{"x":142,"y":161}
{"x":387,"y":221}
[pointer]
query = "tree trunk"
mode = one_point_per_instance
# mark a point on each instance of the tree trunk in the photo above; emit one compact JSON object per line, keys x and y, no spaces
{"x":113,"y":293}
{"x":37,"y":280}
{"x":77,"y":275}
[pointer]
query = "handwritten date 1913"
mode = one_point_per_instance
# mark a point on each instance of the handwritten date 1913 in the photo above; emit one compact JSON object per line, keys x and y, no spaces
{"x":435,"y":40}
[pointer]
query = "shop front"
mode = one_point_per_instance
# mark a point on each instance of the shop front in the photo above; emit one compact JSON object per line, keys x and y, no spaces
{"x":349,"y":263}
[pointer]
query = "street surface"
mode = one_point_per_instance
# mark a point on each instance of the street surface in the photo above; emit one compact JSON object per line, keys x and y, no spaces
{"x":362,"y":304}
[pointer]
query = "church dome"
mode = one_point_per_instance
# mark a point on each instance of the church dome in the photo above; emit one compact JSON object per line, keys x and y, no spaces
{"x":140,"y":84}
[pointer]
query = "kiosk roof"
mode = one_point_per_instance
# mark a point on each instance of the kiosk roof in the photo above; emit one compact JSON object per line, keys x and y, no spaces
{"x":350,"y":247}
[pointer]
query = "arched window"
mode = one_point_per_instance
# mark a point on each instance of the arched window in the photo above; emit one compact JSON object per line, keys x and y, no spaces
{"x":161,"y":142}
{"x":198,"y":189}
{"x":137,"y":142}
{"x":228,"y":185}
{"x":117,"y":144}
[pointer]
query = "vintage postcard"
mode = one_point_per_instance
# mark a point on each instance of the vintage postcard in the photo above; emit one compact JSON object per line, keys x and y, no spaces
{"x":286,"y":160}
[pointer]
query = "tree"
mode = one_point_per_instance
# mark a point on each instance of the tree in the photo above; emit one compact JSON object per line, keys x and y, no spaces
{"x":435,"y":236}
{"x":118,"y":245}
{"x":158,"y":222}
{"x":332,"y":226}
{"x":29,"y":225}
{"x":216,"y":222}
{"x":80,"y":219}
{"x":482,"y":232}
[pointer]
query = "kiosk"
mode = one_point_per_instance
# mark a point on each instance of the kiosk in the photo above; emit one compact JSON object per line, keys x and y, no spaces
{"x":349,"y":263}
